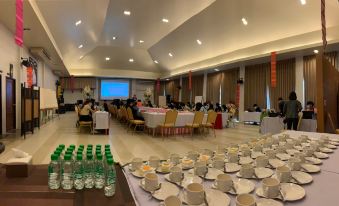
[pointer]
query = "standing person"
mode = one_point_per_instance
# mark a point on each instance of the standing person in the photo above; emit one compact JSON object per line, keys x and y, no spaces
{"x":85,"y":112}
{"x":281,"y":104}
{"x":291,"y":110}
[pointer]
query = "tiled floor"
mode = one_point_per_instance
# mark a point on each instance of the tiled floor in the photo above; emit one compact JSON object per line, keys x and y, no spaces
{"x":125,"y":145}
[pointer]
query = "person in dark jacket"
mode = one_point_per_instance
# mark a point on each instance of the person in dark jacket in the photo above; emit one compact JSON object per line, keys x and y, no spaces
{"x":281,"y":104}
{"x":291,"y":111}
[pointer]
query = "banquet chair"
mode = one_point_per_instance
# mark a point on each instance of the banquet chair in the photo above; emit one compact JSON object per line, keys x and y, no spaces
{"x":211,"y":118}
{"x":132,"y":121}
{"x":169,"y":124}
{"x":124,"y":115}
{"x":197,"y":122}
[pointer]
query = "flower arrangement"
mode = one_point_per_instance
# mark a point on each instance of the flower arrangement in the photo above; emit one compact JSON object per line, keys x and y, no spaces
{"x":87,"y":92}
{"x":147,"y":94}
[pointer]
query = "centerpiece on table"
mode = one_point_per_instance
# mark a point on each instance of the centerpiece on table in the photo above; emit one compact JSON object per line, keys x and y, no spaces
{"x":87,"y":92}
{"x":147,"y":95}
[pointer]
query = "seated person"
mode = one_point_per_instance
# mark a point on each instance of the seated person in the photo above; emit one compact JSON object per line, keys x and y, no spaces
{"x":198,"y":106}
{"x":139,"y":103}
{"x":2,"y":147}
{"x":218,"y":108}
{"x":149,"y":104}
{"x":105,"y":106}
{"x":256,"y":108}
{"x":224,"y":108}
{"x":135,"y":111}
{"x":85,"y":112}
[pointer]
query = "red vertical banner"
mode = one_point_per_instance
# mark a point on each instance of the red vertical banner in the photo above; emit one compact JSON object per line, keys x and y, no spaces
{"x":29,"y":77}
{"x":19,"y":17}
{"x":238,"y":95}
{"x":273,"y":69}
{"x":158,"y":85}
{"x":190,"y":80}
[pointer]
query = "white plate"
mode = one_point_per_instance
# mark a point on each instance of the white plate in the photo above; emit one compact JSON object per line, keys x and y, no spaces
{"x":298,"y":148}
{"x":321,"y":155}
{"x":310,"y":168}
{"x":260,"y":173}
{"x":245,"y":160}
{"x":142,"y":185}
{"x":292,"y":192}
{"x":213,"y":197}
{"x":334,"y":139}
{"x":213,"y":173}
{"x":276,"y":163}
{"x":326,"y":150}
{"x":167,"y":189}
{"x":159,"y":170}
{"x":301,"y":177}
{"x":267,"y":202}
{"x":335,"y":143}
{"x":242,"y":186}
{"x":254,"y":155}
{"x":330,"y":146}
{"x":291,"y":151}
{"x":232,"y":167}
{"x":283,"y":156}
{"x":186,"y":167}
{"x":188,"y":179}
{"x":139,"y":174}
{"x":313,"y":160}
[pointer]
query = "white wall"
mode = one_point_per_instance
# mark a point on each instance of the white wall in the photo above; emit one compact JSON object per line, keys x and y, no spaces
{"x":11,"y":54}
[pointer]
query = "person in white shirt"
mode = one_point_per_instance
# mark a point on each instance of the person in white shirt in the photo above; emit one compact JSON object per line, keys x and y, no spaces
{"x":85,"y":112}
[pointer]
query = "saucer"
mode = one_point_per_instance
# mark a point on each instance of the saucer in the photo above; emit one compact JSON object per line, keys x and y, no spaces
{"x":186,"y":167}
{"x":301,"y":177}
{"x":334,"y":143}
{"x":159,"y":170}
{"x":326,"y":150}
{"x":283,"y":156}
{"x":167,"y":189}
{"x":142,"y":185}
{"x":213,"y":197}
{"x":260,"y":173}
{"x":242,"y":186}
{"x":333,"y":139}
{"x":321,"y":155}
{"x":276,"y":163}
{"x":313,"y":160}
{"x":188,"y":179}
{"x":267,"y":202}
{"x":245,"y":160}
{"x":298,"y":148}
{"x":212,"y":174}
{"x":309,"y":168}
{"x":232,"y":167}
{"x":291,"y":192}
{"x":139,"y":174}
{"x":291,"y":151}
{"x":330,"y":146}
{"x":254,"y":154}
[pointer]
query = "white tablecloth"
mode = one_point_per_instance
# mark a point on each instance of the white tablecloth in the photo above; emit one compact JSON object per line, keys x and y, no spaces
{"x":101,"y":120}
{"x":153,"y":119}
{"x":271,"y":125}
{"x":251,"y":116}
{"x":322,"y":191}
{"x":308,"y":125}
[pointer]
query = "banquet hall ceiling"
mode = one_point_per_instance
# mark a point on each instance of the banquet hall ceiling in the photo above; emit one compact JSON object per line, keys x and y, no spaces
{"x":273,"y":25}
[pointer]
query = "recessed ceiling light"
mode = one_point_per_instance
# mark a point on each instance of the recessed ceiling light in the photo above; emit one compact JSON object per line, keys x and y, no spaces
{"x":303,"y":2}
{"x":114,"y":38}
{"x":107,"y":58}
{"x":244,"y":21}
{"x":141,"y":41}
{"x":165,"y":20}
{"x":167,"y":79}
{"x":131,"y":60}
{"x":216,"y":70}
{"x":80,"y":46}
{"x":127,"y":13}
{"x":199,"y":42}
{"x":316,"y":51}
{"x":170,"y":54}
{"x":78,"y":23}
{"x":155,"y":61}
{"x":81,"y":57}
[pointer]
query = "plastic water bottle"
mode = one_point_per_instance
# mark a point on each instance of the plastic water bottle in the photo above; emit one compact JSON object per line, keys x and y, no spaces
{"x":110,"y":178}
{"x":79,"y":173}
{"x":54,"y":172}
{"x":67,"y":173}
{"x":99,"y":172}
{"x":89,"y":171}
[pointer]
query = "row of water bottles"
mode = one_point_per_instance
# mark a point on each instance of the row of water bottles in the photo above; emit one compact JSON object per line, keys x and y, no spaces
{"x":69,"y":169}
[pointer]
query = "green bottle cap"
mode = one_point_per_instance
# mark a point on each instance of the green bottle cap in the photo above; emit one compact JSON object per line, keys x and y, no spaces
{"x":81,"y":146}
{"x":107,"y":146}
{"x":61,"y":145}
{"x":79,"y":157}
{"x":90,"y":145}
{"x":110,"y":161}
{"x":54,"y":157}
{"x":98,"y":146}
{"x":99,"y":156}
{"x":89,"y":156}
{"x":69,"y":153}
{"x":67,"y":157}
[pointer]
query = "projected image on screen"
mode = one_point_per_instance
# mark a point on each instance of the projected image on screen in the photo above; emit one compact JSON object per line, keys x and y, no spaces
{"x":112,"y":89}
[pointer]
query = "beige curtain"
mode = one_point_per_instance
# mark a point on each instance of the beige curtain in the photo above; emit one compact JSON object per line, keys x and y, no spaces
{"x":79,"y":82}
{"x":285,"y":82}
{"x":256,"y":79}
{"x":310,"y":74}
{"x":229,"y":85}
{"x":185,"y":92}
{"x":160,"y":93}
{"x":197,"y":85}
{"x":171,"y":88}
{"x":213,"y":87}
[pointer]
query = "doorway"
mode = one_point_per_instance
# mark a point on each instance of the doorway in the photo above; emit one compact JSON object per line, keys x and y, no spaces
{"x":10,"y":105}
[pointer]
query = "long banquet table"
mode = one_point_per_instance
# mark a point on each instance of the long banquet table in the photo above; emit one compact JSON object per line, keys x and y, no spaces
{"x":274,"y":125}
{"x":322,"y":191}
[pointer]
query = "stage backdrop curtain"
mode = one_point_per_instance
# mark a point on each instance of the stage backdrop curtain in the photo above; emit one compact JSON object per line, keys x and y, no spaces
{"x":80,"y":82}
{"x":256,"y":81}
{"x":197,"y":86}
{"x":213,"y":87}
{"x":285,"y":82}
{"x":229,"y":85}
{"x":185,"y":92}
{"x":172,"y":89}
{"x":310,"y":74}
{"x":160,"y":93}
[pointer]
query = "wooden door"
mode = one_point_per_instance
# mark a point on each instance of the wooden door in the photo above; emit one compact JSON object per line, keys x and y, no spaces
{"x":0,"y":104}
{"x":10,"y":104}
